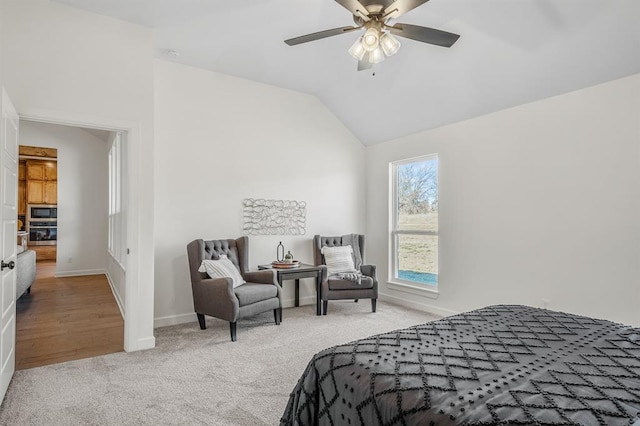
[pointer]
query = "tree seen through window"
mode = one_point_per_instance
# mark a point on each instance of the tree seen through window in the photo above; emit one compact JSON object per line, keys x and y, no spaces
{"x":415,"y":230}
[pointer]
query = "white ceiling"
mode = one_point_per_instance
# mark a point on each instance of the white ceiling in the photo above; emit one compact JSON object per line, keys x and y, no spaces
{"x":510,"y":52}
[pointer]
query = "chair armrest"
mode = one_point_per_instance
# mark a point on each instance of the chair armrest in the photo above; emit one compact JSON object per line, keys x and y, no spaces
{"x":215,"y":297}
{"x":368,"y":270}
{"x":266,"y":276}
{"x":324,"y":273}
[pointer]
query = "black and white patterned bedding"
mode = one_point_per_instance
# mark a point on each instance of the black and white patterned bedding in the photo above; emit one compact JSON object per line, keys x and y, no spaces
{"x":496,"y":365}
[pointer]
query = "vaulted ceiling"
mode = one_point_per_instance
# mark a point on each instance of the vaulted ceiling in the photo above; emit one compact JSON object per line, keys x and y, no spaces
{"x":510,"y":52}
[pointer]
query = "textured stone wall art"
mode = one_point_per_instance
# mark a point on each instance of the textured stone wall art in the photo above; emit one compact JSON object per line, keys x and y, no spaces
{"x":274,"y":217}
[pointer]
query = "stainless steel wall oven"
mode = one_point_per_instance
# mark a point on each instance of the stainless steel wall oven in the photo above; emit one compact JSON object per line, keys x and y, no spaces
{"x":42,"y":224}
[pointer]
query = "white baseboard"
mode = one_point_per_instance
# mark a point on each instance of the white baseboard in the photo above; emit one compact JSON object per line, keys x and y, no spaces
{"x":416,"y":305}
{"x":80,"y":272}
{"x":116,"y":296}
{"x":174,"y":320}
{"x":307,"y":300}
{"x":191,"y":317}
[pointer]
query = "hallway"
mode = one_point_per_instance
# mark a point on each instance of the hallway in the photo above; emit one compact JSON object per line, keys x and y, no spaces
{"x":64,"y":319}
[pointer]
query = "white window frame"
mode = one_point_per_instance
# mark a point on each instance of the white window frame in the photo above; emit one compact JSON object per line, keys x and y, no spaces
{"x":393,"y":280}
{"x":117,"y":215}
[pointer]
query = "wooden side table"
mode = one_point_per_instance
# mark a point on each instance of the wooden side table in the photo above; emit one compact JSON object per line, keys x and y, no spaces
{"x":302,"y":271}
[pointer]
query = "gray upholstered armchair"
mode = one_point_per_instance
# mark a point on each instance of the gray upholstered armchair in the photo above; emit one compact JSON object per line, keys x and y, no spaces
{"x":217,"y":297}
{"x":334,"y":288}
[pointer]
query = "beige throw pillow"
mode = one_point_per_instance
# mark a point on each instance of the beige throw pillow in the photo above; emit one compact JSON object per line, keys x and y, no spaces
{"x":338,"y":259}
{"x":222,"y":268}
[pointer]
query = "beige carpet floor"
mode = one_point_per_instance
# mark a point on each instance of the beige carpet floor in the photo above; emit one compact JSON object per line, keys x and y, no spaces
{"x":196,"y":377}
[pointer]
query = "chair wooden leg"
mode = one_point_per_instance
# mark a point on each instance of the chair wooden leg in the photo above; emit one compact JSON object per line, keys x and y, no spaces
{"x":277,"y":315}
{"x":325,"y":305}
{"x":373,"y":305}
{"x":232,"y":327}
{"x":202,"y":321}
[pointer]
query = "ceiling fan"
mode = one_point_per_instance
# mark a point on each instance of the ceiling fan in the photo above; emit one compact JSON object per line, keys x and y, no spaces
{"x":378,"y":39}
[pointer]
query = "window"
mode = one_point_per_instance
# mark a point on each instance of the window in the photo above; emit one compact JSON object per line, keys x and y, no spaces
{"x":116,"y":212}
{"x":414,"y":228}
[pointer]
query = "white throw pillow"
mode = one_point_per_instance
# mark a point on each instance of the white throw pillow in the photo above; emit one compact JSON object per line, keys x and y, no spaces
{"x":222,"y":268}
{"x":338,"y":259}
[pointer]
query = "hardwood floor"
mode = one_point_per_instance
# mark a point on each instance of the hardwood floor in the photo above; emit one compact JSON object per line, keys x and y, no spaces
{"x":63,"y":319}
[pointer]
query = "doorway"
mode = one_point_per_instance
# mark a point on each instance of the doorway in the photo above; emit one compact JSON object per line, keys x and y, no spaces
{"x":71,"y":311}
{"x":137,"y":237}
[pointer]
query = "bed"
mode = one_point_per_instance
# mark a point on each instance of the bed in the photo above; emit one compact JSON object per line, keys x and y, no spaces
{"x":501,"y":364}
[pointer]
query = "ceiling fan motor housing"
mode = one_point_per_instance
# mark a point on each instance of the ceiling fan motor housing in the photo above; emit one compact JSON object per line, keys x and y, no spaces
{"x":376,"y":6}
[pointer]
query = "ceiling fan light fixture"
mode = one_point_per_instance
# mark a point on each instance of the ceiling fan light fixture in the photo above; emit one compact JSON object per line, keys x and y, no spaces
{"x":389,"y":44}
{"x":378,"y":40}
{"x":357,"y":49}
{"x":376,"y":55}
{"x":371,"y":39}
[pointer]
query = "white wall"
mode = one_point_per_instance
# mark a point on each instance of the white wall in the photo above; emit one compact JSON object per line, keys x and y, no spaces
{"x":82,"y":195}
{"x":1,"y":35}
{"x":221,"y":139}
{"x":68,"y":65}
{"x":541,"y":201}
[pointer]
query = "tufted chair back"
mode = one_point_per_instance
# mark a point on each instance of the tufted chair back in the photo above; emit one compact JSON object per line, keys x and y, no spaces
{"x":358,"y":247}
{"x":200,"y":250}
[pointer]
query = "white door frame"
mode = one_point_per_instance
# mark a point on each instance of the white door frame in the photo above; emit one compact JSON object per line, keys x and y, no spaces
{"x":139,"y":282}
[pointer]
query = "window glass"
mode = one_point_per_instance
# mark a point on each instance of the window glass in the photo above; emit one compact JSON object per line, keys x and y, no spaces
{"x":415,"y":221}
{"x":116,"y":244}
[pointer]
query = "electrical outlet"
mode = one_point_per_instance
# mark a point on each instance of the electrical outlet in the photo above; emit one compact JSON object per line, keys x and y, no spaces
{"x":69,"y":259}
{"x":545,"y":303}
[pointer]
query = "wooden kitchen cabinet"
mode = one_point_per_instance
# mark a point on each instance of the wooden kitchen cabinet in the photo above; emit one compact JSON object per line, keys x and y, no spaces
{"x":42,"y":192}
{"x":51,"y":171}
{"x":45,"y":252}
{"x":35,"y":170}
{"x":50,"y":192}
{"x":41,"y":183}
{"x":35,"y":192}
{"x":22,"y":188}
{"x":42,"y":170}
{"x":22,"y":198}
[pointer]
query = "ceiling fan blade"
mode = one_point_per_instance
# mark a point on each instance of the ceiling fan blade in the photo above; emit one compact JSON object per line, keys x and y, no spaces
{"x":400,"y":7}
{"x":355,"y":7}
{"x":364,"y":63}
{"x":424,"y":34}
{"x":319,"y":35}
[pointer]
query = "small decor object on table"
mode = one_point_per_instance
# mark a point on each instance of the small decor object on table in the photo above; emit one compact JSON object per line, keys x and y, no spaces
{"x":284,"y":261}
{"x":280,"y":252}
{"x":288,"y":258}
{"x":285,"y":265}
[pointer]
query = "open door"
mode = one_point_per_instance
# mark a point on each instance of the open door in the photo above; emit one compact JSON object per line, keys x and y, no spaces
{"x":8,"y":229}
